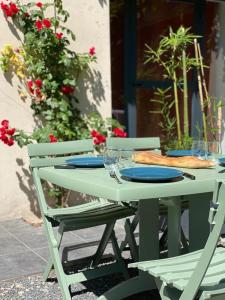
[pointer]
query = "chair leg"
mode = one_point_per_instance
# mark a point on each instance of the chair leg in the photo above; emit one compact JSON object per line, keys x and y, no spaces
{"x":129,"y":227}
{"x":184,"y":241}
{"x":54,"y":252}
{"x":50,"y":265}
{"x":167,"y":293}
{"x":131,"y":240}
{"x":118,"y":255}
{"x":53,"y":244}
{"x":102,"y":244}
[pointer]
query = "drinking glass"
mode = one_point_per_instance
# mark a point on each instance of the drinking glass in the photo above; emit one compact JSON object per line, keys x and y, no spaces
{"x":199,"y":149}
{"x":110,"y":158}
{"x":213,"y":151}
{"x":125,"y":158}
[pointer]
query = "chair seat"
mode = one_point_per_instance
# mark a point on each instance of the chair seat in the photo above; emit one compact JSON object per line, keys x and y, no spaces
{"x":177,"y":271}
{"x":96,"y":213}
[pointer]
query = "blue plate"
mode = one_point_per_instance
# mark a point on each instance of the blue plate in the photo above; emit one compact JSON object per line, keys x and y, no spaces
{"x":177,"y":153}
{"x":222,"y":161}
{"x":88,"y":161}
{"x":153,"y":174}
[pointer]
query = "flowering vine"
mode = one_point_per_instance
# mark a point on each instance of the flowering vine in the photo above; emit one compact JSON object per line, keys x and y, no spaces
{"x":47,"y":68}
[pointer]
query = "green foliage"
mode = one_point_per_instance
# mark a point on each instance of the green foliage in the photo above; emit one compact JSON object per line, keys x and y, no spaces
{"x":105,"y":126}
{"x":171,"y":56}
{"x":48,"y":58}
{"x":186,"y":143}
{"x":168,"y":122}
{"x":169,"y":52}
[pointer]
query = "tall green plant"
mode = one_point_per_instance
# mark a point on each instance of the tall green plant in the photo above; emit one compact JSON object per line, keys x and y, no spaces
{"x":172,"y":56}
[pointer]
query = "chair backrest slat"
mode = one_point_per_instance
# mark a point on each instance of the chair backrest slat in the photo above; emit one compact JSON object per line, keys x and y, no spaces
{"x":44,"y":149}
{"x":145,"y":143}
{"x":44,"y":154}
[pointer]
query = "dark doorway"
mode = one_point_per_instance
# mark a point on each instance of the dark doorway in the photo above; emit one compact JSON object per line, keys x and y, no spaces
{"x":133,"y":24}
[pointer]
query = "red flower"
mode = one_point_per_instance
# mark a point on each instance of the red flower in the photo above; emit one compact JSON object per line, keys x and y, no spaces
{"x":98,"y":137}
{"x":99,"y":140}
{"x":10,"y":142}
{"x":67,"y":89}
{"x":92,"y":51}
{"x":3,"y":130}
{"x":9,"y":10}
{"x":26,"y":14}
{"x":119,"y":132}
{"x":52,"y":138}
{"x":4,"y":6}
{"x":39,"y":25}
{"x":14,"y":9}
{"x":39,"y":4}
{"x":94,"y":133}
{"x":59,"y":35}
{"x":30,"y":86}
{"x":5,"y":124}
{"x":6,"y":133}
{"x":11,"y":131}
{"x":38,"y":83}
{"x":4,"y":138}
{"x":38,"y":92}
{"x":46,"y":23}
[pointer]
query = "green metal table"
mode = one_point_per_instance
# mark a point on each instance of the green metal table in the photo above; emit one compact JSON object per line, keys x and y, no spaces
{"x":97,"y":182}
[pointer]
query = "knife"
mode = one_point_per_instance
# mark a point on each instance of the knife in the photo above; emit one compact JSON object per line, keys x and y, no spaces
{"x":190,"y":176}
{"x":64,"y":167}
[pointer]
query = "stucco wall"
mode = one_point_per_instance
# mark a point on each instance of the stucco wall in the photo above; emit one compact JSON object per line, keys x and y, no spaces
{"x":217,"y":67}
{"x":90,"y":22}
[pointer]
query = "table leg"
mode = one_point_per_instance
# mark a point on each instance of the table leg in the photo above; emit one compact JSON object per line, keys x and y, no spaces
{"x":199,"y":227}
{"x":148,"y":249}
{"x":174,"y":227}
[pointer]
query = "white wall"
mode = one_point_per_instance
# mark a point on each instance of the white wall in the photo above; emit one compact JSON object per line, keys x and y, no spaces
{"x":217,"y":66}
{"x":90,"y":22}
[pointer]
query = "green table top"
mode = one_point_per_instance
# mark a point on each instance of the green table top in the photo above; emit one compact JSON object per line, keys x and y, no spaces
{"x":97,"y":182}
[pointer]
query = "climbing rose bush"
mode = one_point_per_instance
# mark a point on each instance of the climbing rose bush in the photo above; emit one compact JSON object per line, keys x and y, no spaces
{"x":47,"y":68}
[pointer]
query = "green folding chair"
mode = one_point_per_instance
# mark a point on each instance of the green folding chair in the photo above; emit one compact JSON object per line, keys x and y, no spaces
{"x":97,"y":212}
{"x":138,"y":144}
{"x":199,"y":274}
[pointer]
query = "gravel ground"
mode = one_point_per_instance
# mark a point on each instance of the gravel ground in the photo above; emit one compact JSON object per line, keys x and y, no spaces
{"x":34,"y":288}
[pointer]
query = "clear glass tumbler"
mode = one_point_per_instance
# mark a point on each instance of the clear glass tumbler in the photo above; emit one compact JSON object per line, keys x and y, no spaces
{"x":199,"y":149}
{"x":110,"y":158}
{"x":213,"y":151}
{"x":125,"y":158}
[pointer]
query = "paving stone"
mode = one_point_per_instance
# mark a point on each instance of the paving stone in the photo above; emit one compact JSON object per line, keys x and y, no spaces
{"x":10,"y":245}
{"x":20,"y":264}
